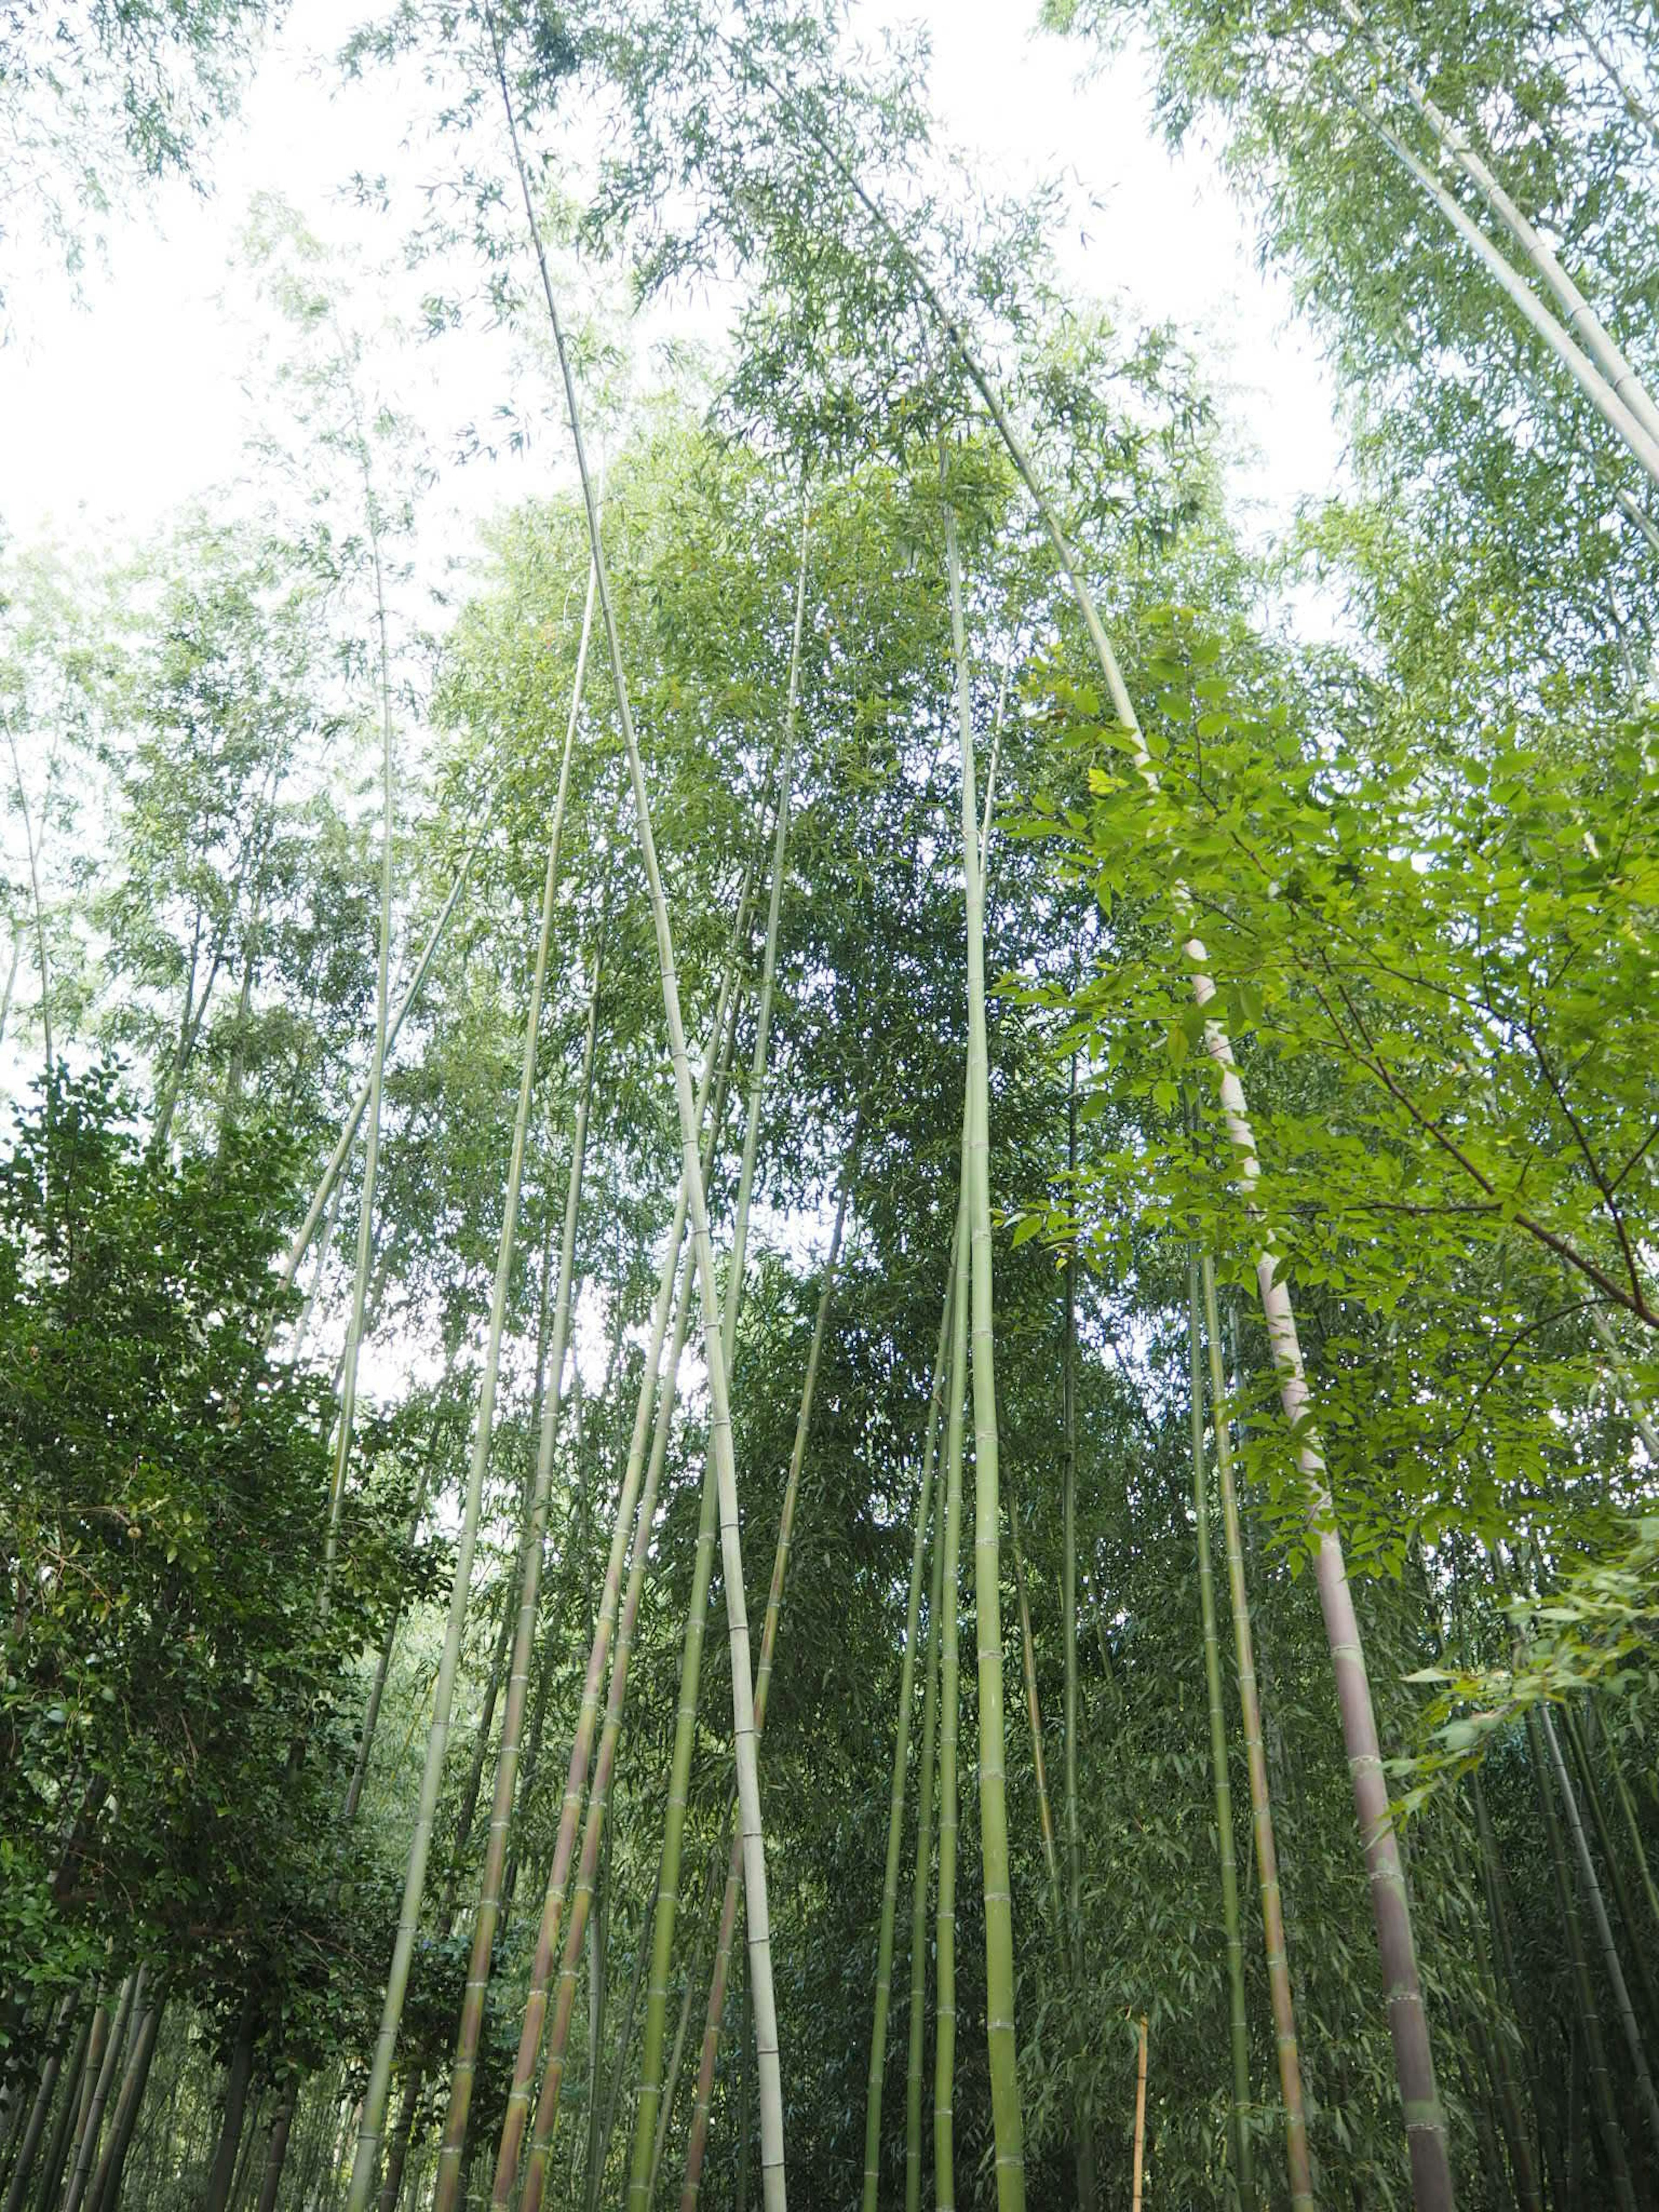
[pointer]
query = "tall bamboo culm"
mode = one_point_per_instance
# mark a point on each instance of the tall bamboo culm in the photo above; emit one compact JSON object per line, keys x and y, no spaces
{"x":987,"y":1506}
{"x":925,"y":1793}
{"x":763,"y":1684}
{"x":900,"y":1761}
{"x":950,"y":1703}
{"x":372,"y":2124}
{"x":1296,"y":2157}
{"x":768,"y":2065}
{"x":649,"y":2100}
{"x":454,"y":2144}
{"x":1244,"y":2163}
{"x":1423,"y":2117}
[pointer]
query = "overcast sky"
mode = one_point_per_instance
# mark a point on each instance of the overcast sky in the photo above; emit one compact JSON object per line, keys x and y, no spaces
{"x":118,"y":412}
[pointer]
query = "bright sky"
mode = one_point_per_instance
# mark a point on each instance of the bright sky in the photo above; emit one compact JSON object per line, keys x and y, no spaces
{"x":116,"y":414}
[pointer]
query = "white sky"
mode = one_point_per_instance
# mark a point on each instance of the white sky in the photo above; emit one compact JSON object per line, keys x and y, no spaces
{"x":116,"y":414}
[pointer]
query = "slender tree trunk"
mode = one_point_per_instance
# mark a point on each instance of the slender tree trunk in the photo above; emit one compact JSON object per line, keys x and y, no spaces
{"x":106,"y":2191}
{"x":1261,"y":1818}
{"x":656,"y":2013}
{"x":237,"y":2077}
{"x":1001,"y":2047}
{"x":762,"y":1686}
{"x":1140,"y":2119}
{"x":353,"y":1121}
{"x":35,"y":2127}
{"x":901,"y":1762}
{"x":51,"y":2170}
{"x":1581,"y":317}
{"x":1622,"y":2006}
{"x":524,"y":1640}
{"x":926,"y":1777}
{"x":367,"y":2156}
{"x":1244,"y":2162}
{"x":945,"y":1912}
{"x":1088,"y":2192}
{"x":1589,"y":2023}
{"x":517,"y":2115}
{"x":1624,"y":1904}
{"x":397,"y":2157}
{"x":768,"y":2066}
{"x":86,"y":2151}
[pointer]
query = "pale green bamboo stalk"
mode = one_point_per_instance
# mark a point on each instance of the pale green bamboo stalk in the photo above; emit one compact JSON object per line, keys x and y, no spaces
{"x":454,"y":2144}
{"x":901,"y":1760}
{"x":347,"y":1417}
{"x":1001,"y":2046}
{"x":372,"y":2121}
{"x":86,"y":2149}
{"x":1083,"y":2135}
{"x":1243,"y":2160}
{"x":547,"y":2110}
{"x":353,"y":1122}
{"x":1266,"y":1855}
{"x":1645,"y":2096}
{"x":1034,"y":1716}
{"x":925,"y":1791}
{"x":945,"y":1907}
{"x":517,"y":2116}
{"x":768,"y":2066}
{"x":1580,"y":317}
{"x":763,"y":1685}
{"x":656,"y":2010}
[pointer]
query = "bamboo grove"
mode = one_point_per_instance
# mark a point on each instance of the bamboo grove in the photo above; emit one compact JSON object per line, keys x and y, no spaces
{"x":828,"y":1357}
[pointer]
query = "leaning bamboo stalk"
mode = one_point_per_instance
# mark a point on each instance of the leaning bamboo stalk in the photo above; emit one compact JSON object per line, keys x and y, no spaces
{"x":346,"y":1421}
{"x":1033,"y":1718}
{"x":656,"y":2013}
{"x":1244,"y":2167}
{"x":516,"y":2118}
{"x":693,"y":1982}
{"x":464,"y":2073}
{"x":105,"y":2189}
{"x":924,"y":1792}
{"x":1624,"y":1903}
{"x":1580,"y":317}
{"x":1001,"y":2040}
{"x":1296,"y":2157}
{"x":353,"y":1122}
{"x":1610,"y":1960}
{"x":901,"y":1760}
{"x":51,"y":2166}
{"x":1614,"y":412}
{"x":1140,"y":2118}
{"x":1589,"y":2023}
{"x":372,"y":2121}
{"x":716,"y":2005}
{"x":86,"y":2148}
{"x":768,"y":2066}
{"x":944,"y":1903}
{"x":564,"y":1996}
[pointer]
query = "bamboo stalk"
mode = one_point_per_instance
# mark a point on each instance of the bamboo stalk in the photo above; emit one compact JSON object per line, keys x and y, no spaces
{"x":1244,"y":2162}
{"x":925,"y":1791}
{"x":1034,"y":1716}
{"x":1083,"y":2136}
{"x":1140,"y":2119}
{"x":643,"y":2158}
{"x":896,"y":1796}
{"x":768,"y":2065}
{"x":1610,"y":1961}
{"x":763,"y":1684}
{"x":1296,"y":2157}
{"x":945,"y":1912}
{"x":1589,"y":2024}
{"x":1624,"y":1903}
{"x":517,"y":2116}
{"x":1002,"y":2051}
{"x":1580,"y":317}
{"x":372,"y":2126}
{"x":86,"y":2147}
{"x":36,"y":2126}
{"x":488,"y":1914}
